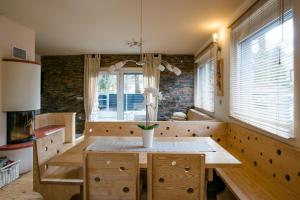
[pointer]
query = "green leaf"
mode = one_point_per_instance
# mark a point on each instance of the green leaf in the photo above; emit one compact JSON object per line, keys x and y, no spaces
{"x":150,"y":127}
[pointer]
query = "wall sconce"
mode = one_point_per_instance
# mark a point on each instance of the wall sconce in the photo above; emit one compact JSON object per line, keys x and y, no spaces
{"x":215,"y":37}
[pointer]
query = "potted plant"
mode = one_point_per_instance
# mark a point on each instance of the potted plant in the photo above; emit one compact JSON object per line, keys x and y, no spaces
{"x":148,"y":128}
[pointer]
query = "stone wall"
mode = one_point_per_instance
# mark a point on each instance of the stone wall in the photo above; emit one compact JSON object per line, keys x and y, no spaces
{"x":178,"y":91}
{"x":62,"y":85}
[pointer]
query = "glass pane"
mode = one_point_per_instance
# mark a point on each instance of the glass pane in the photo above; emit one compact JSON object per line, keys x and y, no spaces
{"x":134,"y":108}
{"x":262,"y":86}
{"x":107,"y":98}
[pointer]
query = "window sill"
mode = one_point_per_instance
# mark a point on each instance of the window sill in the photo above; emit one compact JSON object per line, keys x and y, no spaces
{"x":209,"y":113}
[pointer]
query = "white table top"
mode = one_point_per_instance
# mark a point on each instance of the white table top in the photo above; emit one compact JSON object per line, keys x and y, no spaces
{"x":135,"y":144}
{"x":218,"y":158}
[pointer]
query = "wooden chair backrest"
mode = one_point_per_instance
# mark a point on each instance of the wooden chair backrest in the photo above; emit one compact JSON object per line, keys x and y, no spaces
{"x":111,"y":176}
{"x":216,"y":130}
{"x":277,"y":160}
{"x":46,"y":148}
{"x":176,"y":176}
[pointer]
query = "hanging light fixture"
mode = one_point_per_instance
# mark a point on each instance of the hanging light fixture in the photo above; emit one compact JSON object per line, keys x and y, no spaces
{"x":162,"y":66}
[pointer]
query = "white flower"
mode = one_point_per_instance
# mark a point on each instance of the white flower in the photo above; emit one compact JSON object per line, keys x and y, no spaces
{"x":155,"y":93}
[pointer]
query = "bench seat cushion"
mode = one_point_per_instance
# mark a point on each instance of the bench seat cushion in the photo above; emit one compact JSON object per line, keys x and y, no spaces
{"x":247,"y":183}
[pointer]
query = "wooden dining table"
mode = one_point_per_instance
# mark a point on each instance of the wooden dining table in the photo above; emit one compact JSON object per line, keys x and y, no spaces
{"x":215,"y":155}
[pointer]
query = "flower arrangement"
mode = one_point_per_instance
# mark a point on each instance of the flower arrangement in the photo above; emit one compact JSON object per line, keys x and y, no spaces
{"x":155,"y":94}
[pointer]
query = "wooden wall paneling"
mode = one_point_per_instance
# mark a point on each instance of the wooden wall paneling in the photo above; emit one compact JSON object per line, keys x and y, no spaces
{"x":216,"y":130}
{"x":176,"y":176}
{"x":41,"y":120}
{"x":66,"y":119}
{"x":275,"y":159}
{"x":195,"y":115}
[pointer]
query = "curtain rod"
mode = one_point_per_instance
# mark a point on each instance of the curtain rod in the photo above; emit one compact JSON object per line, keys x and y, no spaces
{"x":247,"y":12}
{"x":210,"y":45}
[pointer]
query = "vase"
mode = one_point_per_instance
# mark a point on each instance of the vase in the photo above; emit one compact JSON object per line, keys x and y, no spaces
{"x":148,"y":138}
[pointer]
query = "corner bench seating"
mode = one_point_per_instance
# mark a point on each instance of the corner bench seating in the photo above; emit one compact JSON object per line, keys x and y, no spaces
{"x":270,"y":169}
{"x":66,"y":119}
{"x":195,"y":115}
{"x":59,"y":183}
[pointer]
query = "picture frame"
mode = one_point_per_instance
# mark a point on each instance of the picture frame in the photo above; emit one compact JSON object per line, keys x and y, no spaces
{"x":220,"y":77}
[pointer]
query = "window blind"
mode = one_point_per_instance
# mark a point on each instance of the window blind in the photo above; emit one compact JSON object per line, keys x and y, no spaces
{"x":262,"y":87}
{"x":205,"y":84}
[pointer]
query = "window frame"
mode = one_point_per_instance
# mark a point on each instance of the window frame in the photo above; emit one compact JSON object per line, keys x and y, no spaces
{"x":120,"y":87}
{"x":234,"y":45}
{"x":197,"y":89}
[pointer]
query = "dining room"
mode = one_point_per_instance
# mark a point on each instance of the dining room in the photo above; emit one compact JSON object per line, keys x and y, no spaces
{"x":149,"y":99}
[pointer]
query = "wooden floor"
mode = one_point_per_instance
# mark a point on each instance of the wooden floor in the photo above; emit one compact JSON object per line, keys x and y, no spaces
{"x":20,"y":189}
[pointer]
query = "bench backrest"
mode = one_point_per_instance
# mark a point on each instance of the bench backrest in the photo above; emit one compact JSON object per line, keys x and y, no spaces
{"x":216,"y":130}
{"x":276,"y":159}
{"x":111,"y":175}
{"x":195,"y":115}
{"x":176,"y":176}
{"x":64,"y":118}
{"x":44,"y":149}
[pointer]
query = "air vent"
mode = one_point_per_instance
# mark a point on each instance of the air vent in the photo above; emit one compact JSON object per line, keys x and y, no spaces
{"x":19,"y":53}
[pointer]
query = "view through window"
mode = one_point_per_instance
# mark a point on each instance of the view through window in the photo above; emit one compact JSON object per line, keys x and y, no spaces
{"x":262,"y":86}
{"x":120,"y":97}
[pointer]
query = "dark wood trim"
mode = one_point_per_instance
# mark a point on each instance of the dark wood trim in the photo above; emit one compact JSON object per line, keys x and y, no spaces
{"x":22,"y":61}
{"x":209,"y":46}
{"x":248,"y":12}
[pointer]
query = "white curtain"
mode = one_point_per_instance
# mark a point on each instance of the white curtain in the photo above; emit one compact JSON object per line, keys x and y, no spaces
{"x":151,"y":79}
{"x":91,"y":72}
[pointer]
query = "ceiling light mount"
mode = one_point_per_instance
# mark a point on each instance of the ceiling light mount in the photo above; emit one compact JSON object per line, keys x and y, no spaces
{"x":133,"y":43}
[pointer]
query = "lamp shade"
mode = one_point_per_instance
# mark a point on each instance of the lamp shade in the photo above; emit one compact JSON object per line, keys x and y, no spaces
{"x":21,"y":85}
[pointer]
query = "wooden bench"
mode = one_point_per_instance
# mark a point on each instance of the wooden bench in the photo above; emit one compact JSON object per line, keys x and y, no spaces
{"x":67,"y":119}
{"x":195,"y":115}
{"x":53,"y":182}
{"x":216,"y":130}
{"x":270,"y":169}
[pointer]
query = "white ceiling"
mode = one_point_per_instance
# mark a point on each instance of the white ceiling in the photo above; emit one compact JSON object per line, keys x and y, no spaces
{"x":91,"y":26}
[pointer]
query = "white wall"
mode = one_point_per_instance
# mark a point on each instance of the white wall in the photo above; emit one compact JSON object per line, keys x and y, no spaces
{"x":12,"y":34}
{"x":222,"y":110}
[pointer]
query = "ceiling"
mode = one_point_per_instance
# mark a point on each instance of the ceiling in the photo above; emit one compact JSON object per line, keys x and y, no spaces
{"x":103,"y":26}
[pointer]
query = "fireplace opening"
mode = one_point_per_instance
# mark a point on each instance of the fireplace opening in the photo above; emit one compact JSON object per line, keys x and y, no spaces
{"x":20,"y":126}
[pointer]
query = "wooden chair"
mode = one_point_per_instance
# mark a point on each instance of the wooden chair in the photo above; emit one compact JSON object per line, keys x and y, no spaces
{"x":176,"y":176}
{"x":109,"y":176}
{"x":59,"y":183}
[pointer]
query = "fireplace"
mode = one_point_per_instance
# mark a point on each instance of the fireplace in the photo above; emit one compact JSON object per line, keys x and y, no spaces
{"x":20,"y":126}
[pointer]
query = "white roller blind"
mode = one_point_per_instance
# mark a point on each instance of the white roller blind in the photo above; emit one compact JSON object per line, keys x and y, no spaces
{"x":262,"y":86}
{"x":205,"y":85}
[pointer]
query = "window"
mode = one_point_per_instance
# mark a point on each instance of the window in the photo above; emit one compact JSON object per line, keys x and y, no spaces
{"x":107,"y":97}
{"x":120,"y":96}
{"x":205,"y":85}
{"x":262,"y":88}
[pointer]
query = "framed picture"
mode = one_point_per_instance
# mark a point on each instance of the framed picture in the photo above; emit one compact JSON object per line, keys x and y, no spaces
{"x":220,"y":77}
